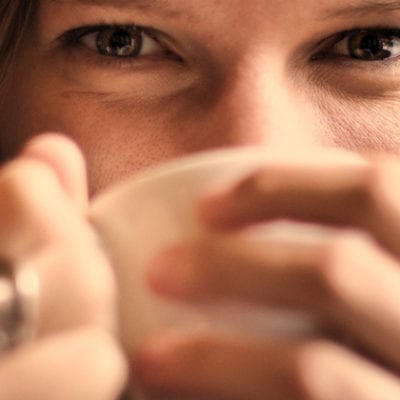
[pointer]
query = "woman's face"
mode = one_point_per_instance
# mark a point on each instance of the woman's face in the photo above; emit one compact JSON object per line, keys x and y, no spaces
{"x":199,"y":74}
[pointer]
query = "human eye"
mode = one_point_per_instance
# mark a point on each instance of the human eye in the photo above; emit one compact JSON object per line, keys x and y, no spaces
{"x":364,"y":45}
{"x":117,"y":42}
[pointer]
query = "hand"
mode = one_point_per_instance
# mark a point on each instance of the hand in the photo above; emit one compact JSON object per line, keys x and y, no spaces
{"x":43,"y":202}
{"x":348,"y":279}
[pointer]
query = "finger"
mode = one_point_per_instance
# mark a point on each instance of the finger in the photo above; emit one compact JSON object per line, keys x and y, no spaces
{"x":346,"y":282}
{"x":41,"y":227}
{"x":84,"y":364}
{"x":356,"y":195}
{"x":34,"y":209}
{"x":76,"y":287}
{"x":255,"y":370}
{"x":64,"y":157}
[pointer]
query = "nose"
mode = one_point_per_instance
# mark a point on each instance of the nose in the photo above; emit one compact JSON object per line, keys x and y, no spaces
{"x":259,"y":103}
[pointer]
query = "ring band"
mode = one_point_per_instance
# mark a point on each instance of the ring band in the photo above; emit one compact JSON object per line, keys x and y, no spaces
{"x":19,"y":290}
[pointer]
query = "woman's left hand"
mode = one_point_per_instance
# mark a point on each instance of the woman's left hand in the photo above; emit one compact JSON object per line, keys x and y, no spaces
{"x":348,"y":279}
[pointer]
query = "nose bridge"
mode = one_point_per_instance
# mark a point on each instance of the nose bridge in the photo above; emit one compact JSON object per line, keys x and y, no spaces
{"x":257,"y":104}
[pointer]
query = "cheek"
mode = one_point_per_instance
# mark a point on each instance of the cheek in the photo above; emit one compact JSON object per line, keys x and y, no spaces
{"x":115,"y":143}
{"x":118,"y":136}
{"x":362,"y":125}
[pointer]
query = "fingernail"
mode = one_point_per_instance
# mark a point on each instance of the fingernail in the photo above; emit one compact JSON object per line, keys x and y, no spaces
{"x":150,"y":363}
{"x":160,"y":346}
{"x":213,"y":210}
{"x":168,"y":273}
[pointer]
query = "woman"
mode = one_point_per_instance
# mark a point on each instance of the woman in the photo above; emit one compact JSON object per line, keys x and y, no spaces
{"x":136,"y":83}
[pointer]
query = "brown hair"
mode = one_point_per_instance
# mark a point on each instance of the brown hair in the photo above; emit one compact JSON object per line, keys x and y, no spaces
{"x":14,"y":18}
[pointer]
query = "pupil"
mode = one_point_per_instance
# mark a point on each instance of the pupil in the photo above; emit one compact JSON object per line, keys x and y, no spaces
{"x":121,"y":42}
{"x":371,"y":44}
{"x":120,"y":39}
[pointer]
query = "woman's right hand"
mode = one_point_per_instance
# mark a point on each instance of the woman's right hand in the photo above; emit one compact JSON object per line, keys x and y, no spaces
{"x":75,"y":356}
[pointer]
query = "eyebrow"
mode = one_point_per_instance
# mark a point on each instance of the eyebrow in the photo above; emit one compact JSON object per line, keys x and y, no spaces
{"x":362,"y":8}
{"x":159,"y":7}
{"x":163,"y":8}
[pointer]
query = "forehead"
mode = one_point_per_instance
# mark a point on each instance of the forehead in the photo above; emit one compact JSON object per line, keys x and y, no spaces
{"x":255,"y":16}
{"x":175,"y":6}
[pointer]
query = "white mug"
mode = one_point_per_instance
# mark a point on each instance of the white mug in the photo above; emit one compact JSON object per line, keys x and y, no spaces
{"x":157,"y":209}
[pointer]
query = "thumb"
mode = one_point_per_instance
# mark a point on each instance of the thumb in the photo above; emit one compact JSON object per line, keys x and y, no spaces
{"x":67,"y":161}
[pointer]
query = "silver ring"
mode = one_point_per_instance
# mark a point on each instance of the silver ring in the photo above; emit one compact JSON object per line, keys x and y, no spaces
{"x":19,"y":292}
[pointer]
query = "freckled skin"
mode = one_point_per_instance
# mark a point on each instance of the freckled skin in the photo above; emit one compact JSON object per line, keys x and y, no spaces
{"x":246,"y":79}
{"x":265,"y":72}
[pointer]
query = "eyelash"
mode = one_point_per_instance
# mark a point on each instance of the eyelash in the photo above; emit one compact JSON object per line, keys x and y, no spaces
{"x":73,"y":38}
{"x":328,"y":44}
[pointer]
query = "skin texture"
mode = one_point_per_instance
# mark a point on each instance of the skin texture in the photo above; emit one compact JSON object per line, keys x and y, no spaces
{"x":76,"y":319}
{"x":244,"y":75}
{"x":246,"y":79}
